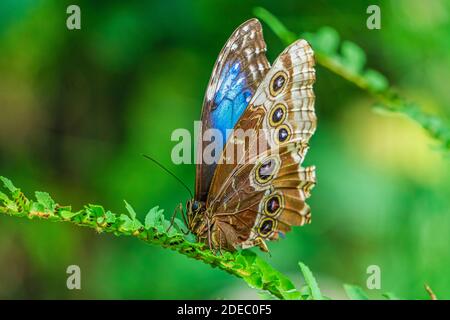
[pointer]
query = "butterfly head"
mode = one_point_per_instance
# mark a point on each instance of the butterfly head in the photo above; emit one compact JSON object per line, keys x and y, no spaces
{"x":194,"y":206}
{"x":195,"y":215}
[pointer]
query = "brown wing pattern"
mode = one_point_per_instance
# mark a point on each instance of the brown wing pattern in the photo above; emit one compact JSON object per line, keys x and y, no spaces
{"x":263,"y":193}
{"x":247,"y":46}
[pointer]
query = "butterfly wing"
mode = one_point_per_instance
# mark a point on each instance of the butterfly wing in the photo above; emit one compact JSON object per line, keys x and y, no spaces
{"x":257,"y":196}
{"x":238,"y":71}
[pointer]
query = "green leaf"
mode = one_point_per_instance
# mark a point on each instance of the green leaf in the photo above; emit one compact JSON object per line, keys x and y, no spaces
{"x":390,"y":296}
{"x":292,"y":294}
{"x":383,"y":110}
{"x":68,"y":214}
{"x":129,"y":224}
{"x":110,"y":217}
{"x":254,"y":280}
{"x":149,"y":220}
{"x":191,"y":238}
{"x":355,"y":292}
{"x":162,"y":227}
{"x":325,"y":40}
{"x":45,"y":199}
{"x":96,"y":210}
{"x":8,"y":184}
{"x":250,"y":256}
{"x":266,"y":295}
{"x":353,"y":57}
{"x":154,"y":218}
{"x":311,"y":282}
{"x":173,"y":232}
{"x":376,"y":80}
{"x":180,"y":225}
{"x":4,"y":197}
{"x":167,"y":228}
{"x":37,"y":207}
{"x":130,"y":210}
{"x":241,"y":260}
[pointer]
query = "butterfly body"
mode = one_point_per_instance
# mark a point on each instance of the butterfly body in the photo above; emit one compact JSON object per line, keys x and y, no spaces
{"x":257,"y":189}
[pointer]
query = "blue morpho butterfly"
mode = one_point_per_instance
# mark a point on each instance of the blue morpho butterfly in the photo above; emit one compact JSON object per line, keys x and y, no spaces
{"x":243,"y":203}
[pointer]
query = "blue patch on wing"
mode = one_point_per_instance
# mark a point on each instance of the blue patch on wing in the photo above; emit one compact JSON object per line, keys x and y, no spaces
{"x":231,"y":99}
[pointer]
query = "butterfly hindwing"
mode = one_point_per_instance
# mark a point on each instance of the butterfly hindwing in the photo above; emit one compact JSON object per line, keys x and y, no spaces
{"x":261,"y":194}
{"x":239,"y":69}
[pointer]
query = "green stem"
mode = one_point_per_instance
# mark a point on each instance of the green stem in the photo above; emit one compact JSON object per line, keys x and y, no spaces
{"x":244,"y":264}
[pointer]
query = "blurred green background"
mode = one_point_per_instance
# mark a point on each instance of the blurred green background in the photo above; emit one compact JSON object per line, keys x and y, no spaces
{"x":77,"y":108}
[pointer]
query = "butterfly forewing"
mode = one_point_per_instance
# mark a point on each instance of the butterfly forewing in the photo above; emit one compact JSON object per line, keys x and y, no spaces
{"x":239,"y":69}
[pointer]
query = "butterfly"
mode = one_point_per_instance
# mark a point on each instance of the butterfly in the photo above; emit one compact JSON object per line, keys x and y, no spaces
{"x":262,"y":194}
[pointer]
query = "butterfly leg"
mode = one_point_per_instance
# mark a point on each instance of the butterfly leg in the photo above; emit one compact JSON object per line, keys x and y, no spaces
{"x":262,"y":245}
{"x":220,"y":242}
{"x":183,"y":215}
{"x":172,"y":220}
{"x":216,"y":244}
{"x":209,"y":234}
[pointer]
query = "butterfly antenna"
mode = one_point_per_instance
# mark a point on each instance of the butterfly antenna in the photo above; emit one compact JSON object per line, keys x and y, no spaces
{"x":169,"y":172}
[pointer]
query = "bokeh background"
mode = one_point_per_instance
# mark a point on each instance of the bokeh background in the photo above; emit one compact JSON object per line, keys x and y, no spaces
{"x":77,"y":108}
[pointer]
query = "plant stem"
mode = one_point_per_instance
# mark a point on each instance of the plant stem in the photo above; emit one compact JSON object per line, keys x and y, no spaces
{"x":244,"y":264}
